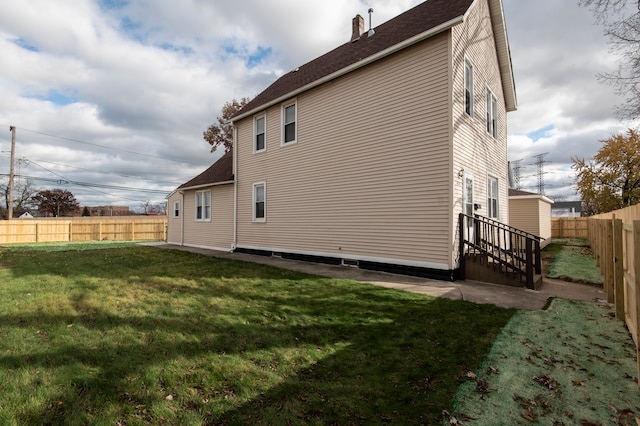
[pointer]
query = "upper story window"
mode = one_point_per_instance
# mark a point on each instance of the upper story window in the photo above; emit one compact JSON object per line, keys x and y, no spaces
{"x":492,"y":198}
{"x":492,"y":114}
{"x":259,"y":134}
{"x":468,"y":88}
{"x":176,"y":209}
{"x":203,"y":205}
{"x":289,"y":116}
{"x":259,"y":202}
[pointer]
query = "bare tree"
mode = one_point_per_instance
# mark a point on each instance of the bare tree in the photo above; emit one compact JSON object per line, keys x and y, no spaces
{"x":23,"y":191}
{"x":621,"y":20}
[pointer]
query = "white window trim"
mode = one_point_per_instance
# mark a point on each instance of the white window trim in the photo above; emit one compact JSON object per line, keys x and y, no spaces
{"x":468,"y":63}
{"x":253,"y":204}
{"x":255,"y":132}
{"x":491,"y":121}
{"x":176,"y":208}
{"x":497,"y":197}
{"x":204,"y":218}
{"x":293,"y":102}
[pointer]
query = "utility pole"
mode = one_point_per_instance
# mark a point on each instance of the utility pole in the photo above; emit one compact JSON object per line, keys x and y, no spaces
{"x":12,"y":129}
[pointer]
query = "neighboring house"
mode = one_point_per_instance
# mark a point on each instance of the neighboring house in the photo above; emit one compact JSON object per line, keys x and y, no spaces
{"x":531,"y":213}
{"x":368,"y":154}
{"x":567,"y":209}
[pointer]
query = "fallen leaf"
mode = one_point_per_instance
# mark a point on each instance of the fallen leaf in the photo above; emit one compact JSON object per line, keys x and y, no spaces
{"x":492,"y":370}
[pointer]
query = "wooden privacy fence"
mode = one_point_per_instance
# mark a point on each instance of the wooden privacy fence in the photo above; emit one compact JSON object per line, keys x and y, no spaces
{"x":616,"y":246}
{"x":569,"y":227}
{"x":124,"y":228}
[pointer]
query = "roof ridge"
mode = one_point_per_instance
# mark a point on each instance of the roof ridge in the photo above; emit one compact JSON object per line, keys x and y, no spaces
{"x":418,"y":20}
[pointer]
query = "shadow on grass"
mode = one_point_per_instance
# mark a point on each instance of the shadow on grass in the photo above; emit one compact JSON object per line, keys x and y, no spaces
{"x":251,"y":344}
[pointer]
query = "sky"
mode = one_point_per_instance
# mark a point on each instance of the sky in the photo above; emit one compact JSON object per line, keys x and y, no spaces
{"x":110,"y":98}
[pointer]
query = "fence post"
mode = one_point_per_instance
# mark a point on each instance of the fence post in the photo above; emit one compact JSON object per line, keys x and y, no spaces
{"x":636,"y":266}
{"x":529,"y":262}
{"x":618,"y":267}
{"x":538,"y":264}
{"x":608,"y":263}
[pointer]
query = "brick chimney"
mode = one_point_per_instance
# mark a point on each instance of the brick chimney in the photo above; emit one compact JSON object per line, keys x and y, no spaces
{"x":357,"y":27}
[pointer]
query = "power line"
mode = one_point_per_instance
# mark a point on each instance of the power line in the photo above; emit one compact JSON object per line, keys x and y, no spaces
{"x":108,"y":147}
{"x":63,"y":181}
{"x":108,"y":173}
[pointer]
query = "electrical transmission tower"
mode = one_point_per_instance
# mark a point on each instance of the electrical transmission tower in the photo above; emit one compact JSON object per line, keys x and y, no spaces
{"x":540,"y":164}
{"x":515,"y":173}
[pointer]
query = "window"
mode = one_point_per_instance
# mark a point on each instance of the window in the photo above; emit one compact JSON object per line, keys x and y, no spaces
{"x":259,"y":131}
{"x":289,"y":123}
{"x":468,"y":88}
{"x":203,"y":205}
{"x":492,"y":198}
{"x":492,"y":113}
{"x":259,"y":202}
{"x":176,"y":209}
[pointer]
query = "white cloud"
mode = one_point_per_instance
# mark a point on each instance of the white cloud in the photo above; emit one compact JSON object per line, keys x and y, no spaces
{"x":150,"y":76}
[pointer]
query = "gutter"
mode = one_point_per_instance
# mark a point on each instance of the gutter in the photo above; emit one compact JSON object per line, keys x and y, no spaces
{"x":206,"y":185}
{"x":234,"y":241}
{"x":366,"y":61}
{"x":181,"y":217}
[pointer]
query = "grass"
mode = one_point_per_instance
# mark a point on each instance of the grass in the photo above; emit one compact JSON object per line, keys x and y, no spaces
{"x":141,"y":335}
{"x":573,"y":261}
{"x":573,"y":363}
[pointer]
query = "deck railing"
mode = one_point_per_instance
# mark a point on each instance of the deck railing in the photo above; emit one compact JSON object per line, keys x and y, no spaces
{"x":513,"y":250}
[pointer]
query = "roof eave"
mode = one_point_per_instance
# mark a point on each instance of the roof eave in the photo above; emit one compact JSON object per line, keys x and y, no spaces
{"x":533,"y":197}
{"x":366,"y":61}
{"x":504,"y":54}
{"x":205,"y":185}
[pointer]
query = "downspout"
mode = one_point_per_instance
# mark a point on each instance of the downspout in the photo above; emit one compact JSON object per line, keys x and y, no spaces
{"x":235,"y":188}
{"x":181,"y":217}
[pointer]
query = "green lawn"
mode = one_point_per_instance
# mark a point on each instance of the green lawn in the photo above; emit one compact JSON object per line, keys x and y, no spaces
{"x":573,"y":261}
{"x":570,"y":364}
{"x":141,"y":335}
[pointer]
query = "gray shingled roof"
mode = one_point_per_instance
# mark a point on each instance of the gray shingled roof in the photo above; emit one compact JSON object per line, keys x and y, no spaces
{"x":425,"y":17}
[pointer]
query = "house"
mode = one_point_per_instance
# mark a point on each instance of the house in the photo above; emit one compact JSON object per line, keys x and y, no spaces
{"x":567,"y":209}
{"x":200,"y":211}
{"x":367,"y":155}
{"x":531,"y":213}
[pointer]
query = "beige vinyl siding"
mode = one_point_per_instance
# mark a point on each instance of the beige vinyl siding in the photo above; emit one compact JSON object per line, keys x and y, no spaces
{"x":174,"y":224}
{"x":531,"y":214}
{"x":545,"y":221}
{"x":216,"y":233}
{"x":368,"y":176}
{"x":524,"y":214}
{"x":476,"y":151}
